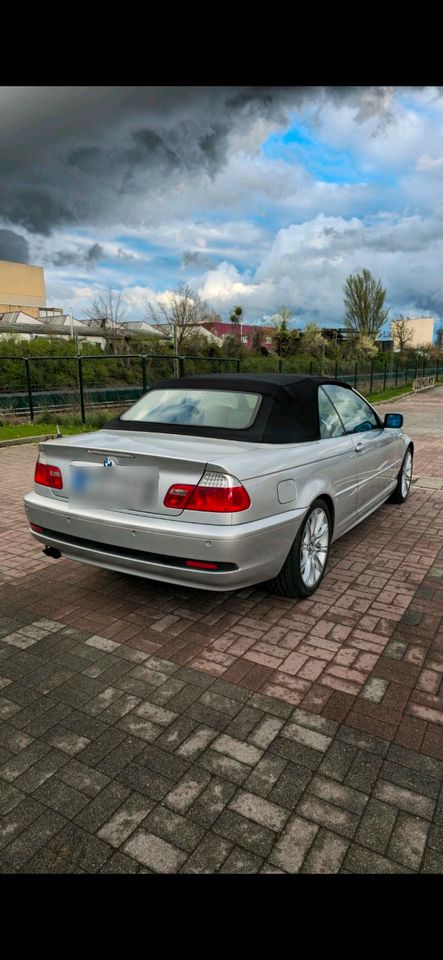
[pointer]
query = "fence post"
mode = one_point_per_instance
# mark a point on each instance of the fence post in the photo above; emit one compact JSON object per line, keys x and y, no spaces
{"x":384,"y":377}
{"x":336,"y":368}
{"x":372,"y":377}
{"x":396,"y":372}
{"x":279,"y":364}
{"x":29,"y":387}
{"x":424,"y":366}
{"x":406,"y":371}
{"x":310,"y":368}
{"x":180,"y":366}
{"x":437,"y":369}
{"x":355,"y":375}
{"x":144,"y":373}
{"x":80,"y":387}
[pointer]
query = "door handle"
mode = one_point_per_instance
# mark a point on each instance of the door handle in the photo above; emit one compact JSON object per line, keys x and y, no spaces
{"x":359,"y":446}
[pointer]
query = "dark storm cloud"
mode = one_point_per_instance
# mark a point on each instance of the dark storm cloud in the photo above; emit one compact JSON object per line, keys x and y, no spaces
{"x":82,"y":155}
{"x":194,"y":258}
{"x":88,"y":258}
{"x":13,"y":247}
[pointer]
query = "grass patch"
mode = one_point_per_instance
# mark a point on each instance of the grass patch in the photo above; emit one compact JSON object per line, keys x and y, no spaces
{"x":387,"y":394}
{"x":67,"y":424}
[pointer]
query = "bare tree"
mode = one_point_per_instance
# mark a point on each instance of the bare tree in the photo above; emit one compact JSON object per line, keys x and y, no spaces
{"x":364,"y":298}
{"x":402,"y":332}
{"x":107,"y":310}
{"x":179,"y":314}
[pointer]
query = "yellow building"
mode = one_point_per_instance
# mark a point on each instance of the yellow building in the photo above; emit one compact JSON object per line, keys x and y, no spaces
{"x":422,"y":329}
{"x":22,"y":288}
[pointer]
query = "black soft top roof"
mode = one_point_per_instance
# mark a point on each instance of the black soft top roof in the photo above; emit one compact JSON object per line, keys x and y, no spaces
{"x":288,"y":412}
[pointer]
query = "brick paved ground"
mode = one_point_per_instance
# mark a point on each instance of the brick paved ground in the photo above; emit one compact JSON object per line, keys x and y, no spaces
{"x":148,"y":728}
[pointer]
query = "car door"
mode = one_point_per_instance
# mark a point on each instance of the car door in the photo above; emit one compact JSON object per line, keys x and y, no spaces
{"x":374,"y":446}
{"x":339,"y":459}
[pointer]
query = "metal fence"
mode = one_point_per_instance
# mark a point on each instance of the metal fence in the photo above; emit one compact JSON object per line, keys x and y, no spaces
{"x":32,"y":392}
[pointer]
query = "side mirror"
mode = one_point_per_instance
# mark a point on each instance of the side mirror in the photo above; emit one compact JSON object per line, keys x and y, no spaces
{"x":393,"y":420}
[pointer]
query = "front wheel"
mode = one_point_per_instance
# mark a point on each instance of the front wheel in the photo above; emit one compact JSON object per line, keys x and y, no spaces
{"x":404,"y":479}
{"x":305,"y":565}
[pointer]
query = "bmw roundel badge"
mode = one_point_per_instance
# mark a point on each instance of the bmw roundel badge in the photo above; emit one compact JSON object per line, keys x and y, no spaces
{"x":107,"y":462}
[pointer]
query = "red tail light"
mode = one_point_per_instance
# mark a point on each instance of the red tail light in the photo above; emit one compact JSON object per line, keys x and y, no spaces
{"x":216,"y":493}
{"x":48,"y":475}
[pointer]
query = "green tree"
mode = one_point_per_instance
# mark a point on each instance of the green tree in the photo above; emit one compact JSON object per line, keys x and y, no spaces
{"x":282,"y":336}
{"x":364,"y":298}
{"x":313,"y":342}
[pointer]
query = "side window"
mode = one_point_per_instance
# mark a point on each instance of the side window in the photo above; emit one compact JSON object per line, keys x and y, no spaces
{"x":354,"y":412}
{"x":330,"y":423}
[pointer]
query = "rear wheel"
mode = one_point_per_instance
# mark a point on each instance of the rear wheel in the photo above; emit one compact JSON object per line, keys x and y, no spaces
{"x":404,"y":480}
{"x":305,"y":564}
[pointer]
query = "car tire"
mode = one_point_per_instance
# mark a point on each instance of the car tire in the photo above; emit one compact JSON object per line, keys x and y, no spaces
{"x":294,"y":579}
{"x":404,"y":479}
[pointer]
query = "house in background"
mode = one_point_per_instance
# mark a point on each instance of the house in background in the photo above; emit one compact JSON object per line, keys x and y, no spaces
{"x":422,"y":329}
{"x":245,"y":331}
{"x":22,"y":288}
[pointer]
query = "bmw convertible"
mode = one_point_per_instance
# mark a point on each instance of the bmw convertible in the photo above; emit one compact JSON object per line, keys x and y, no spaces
{"x":221,"y":481}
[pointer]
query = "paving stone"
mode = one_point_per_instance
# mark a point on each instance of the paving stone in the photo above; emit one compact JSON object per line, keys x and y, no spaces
{"x":244,"y":722}
{"x":174,"y":735}
{"x":158,"y":715}
{"x":125,"y":820}
{"x":223,"y":766}
{"x":328,"y":815}
{"x":162,"y":762}
{"x":326,"y":854}
{"x":118,"y":759}
{"x":404,"y":799}
{"x":265,"y":732}
{"x":270,"y":705}
{"x":338,"y":760}
{"x":41,"y":771}
{"x":296,"y":752}
{"x":167,"y":691}
{"x":9,"y":797}
{"x":435,"y":838}
{"x":411,"y":779}
{"x":102,"y":746}
{"x":14,"y":740}
{"x":120,"y":864}
{"x":32,"y":839}
{"x":416,"y":761}
{"x":208,"y":716}
{"x":89,"y":727}
{"x":187,"y":790}
{"x":374,"y":690}
{"x":360,"y":860}
{"x":241,"y":861}
{"x":12,"y":769}
{"x":364,"y":771}
{"x":363,"y":741}
{"x":239,"y":830}
{"x":306,"y":737}
{"x":60,"y":797}
{"x":290,"y":785}
{"x":314,"y":722}
{"x":224,"y":705}
{"x":259,"y":810}
{"x":294,"y":843}
{"x":376,"y":826}
{"x":101,"y":808}
{"x":66,"y":740}
{"x":337,"y":793}
{"x":154,"y":853}
{"x":198,"y":679}
{"x":408,"y":840}
{"x":196,"y":743}
{"x":20,"y":817}
{"x":432,"y":862}
{"x":80,"y":848}
{"x":236,"y":749}
{"x":211,"y":801}
{"x":83,"y":778}
{"x":265,"y":775}
{"x":150,"y":784}
{"x":209,"y":856}
{"x":174,"y":828}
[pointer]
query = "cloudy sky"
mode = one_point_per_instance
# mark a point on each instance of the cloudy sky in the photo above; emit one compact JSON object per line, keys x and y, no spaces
{"x":261,"y":196}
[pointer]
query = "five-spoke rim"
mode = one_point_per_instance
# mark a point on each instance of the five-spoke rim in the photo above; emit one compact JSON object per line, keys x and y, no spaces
{"x":314,"y":547}
{"x":406,"y":474}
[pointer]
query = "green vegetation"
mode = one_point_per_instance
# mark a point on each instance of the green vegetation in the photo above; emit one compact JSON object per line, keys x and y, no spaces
{"x":46,"y":423}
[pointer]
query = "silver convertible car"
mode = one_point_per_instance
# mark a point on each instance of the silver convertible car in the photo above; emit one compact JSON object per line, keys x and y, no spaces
{"x":221,"y":481}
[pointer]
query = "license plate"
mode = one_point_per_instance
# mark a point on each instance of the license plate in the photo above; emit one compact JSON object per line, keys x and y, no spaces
{"x":116,"y":489}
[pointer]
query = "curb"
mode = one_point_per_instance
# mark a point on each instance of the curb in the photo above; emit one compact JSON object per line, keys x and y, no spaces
{"x":19,"y":440}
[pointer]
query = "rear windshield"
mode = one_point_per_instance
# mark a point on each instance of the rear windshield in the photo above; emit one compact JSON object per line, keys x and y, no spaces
{"x":202,"y":408}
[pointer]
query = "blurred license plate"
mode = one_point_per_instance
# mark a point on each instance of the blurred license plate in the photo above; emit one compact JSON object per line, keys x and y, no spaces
{"x":113,"y":489}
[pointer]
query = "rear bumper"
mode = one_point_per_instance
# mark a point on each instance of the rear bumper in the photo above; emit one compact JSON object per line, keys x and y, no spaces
{"x":257,"y":549}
